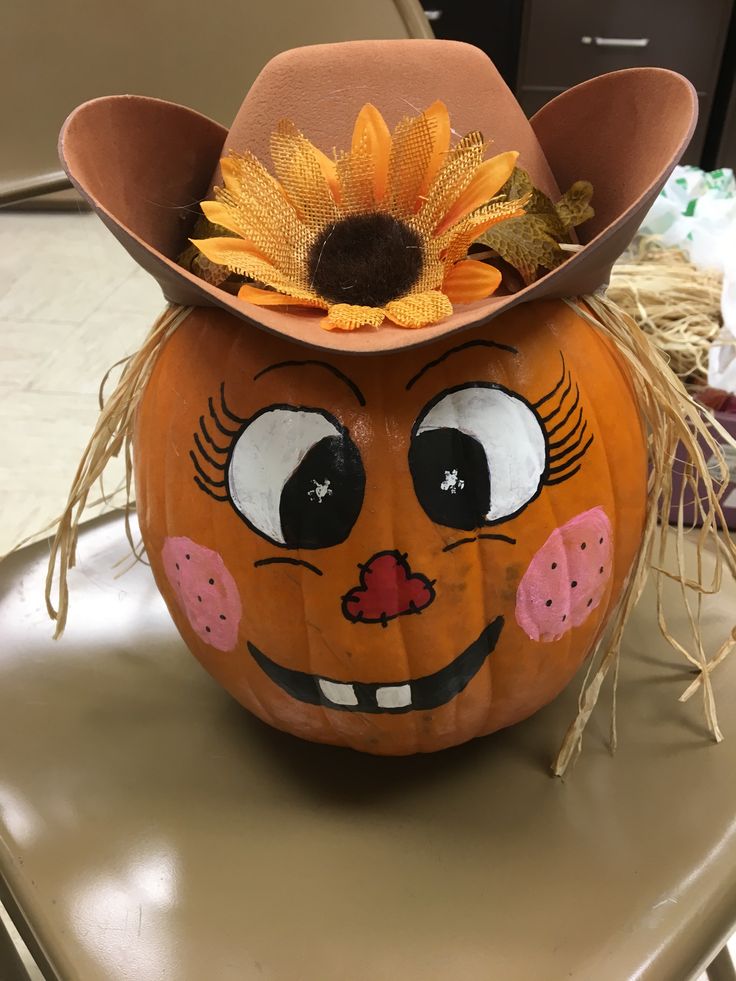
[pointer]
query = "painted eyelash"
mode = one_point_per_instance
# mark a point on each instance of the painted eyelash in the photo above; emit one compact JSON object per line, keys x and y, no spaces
{"x":568,"y":419}
{"x":204,"y":456}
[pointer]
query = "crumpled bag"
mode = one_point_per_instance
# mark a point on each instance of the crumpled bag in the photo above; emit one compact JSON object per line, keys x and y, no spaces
{"x":696,"y":211}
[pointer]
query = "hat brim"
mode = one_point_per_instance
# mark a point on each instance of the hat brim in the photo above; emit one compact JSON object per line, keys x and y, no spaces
{"x":144,"y":165}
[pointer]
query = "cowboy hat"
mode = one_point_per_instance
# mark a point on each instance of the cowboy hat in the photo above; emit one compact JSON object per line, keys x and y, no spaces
{"x":144,"y":164}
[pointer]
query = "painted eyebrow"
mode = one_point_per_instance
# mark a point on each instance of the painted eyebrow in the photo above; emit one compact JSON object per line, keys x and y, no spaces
{"x":320,"y":364}
{"x":455,"y":350}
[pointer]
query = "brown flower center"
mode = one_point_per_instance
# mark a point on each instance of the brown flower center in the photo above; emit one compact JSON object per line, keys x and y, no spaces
{"x":365,"y":260}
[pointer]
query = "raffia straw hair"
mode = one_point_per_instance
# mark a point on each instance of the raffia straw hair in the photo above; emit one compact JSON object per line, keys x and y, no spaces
{"x":671,"y":415}
{"x":112,"y":433}
{"x":677,"y":303}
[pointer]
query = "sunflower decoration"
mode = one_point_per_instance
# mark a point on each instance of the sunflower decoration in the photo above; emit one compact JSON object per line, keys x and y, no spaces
{"x":381,"y":232}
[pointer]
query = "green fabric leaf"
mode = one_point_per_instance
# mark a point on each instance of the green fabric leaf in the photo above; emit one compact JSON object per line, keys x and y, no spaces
{"x":574,"y":208}
{"x":532,"y":240}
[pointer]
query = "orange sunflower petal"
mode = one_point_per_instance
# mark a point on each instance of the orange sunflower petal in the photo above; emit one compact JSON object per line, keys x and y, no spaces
{"x":488,"y":180}
{"x":439,"y":119}
{"x":229,"y":170}
{"x":371,"y":127}
{"x":346,"y":316}
{"x":419,"y":309}
{"x":411,"y":153}
{"x":224,"y":250}
{"x":470,"y":280}
{"x":219,"y":214}
{"x":269,"y":298}
{"x":329,"y":172}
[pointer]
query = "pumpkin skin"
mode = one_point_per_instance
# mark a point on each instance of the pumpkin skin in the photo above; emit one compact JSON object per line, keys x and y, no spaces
{"x":406,"y":632}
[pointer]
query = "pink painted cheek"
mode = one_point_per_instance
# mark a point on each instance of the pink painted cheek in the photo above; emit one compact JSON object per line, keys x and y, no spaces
{"x":205,"y":591}
{"x":567,"y":578}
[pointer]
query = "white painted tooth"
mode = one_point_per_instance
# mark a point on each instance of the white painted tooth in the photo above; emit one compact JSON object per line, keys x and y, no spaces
{"x":393,"y":696}
{"x":338,"y":693}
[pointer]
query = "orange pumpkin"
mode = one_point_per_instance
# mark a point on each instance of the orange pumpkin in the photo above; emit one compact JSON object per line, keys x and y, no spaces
{"x":395,"y":553}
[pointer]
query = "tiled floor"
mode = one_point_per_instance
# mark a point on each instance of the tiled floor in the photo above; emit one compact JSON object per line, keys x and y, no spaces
{"x":71,"y":304}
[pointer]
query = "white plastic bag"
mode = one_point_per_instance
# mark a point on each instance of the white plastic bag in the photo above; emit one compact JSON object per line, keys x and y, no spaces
{"x":697,"y":212}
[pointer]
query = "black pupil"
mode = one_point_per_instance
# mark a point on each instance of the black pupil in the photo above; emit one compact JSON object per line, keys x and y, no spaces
{"x":366,"y":260}
{"x":322,"y":499}
{"x":451,"y":478}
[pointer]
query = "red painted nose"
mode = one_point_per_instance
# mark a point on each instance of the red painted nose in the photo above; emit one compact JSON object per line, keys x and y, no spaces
{"x":388,"y":589}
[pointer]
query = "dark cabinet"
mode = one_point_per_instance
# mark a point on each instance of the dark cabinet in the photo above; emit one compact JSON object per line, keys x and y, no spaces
{"x":726,"y":156}
{"x":566,"y":41}
{"x":721,"y":143}
{"x":543,"y":47}
{"x":493,"y":25}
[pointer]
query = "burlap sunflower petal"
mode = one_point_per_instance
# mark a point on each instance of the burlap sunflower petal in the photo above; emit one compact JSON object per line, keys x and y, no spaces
{"x":470,"y":280}
{"x":356,"y":173}
{"x":411,"y":153}
{"x":299,"y":171}
{"x":433,"y":271}
{"x":419,"y":309}
{"x":439,"y":123}
{"x":256,"y":204}
{"x":283,"y":240}
{"x":345,"y":316}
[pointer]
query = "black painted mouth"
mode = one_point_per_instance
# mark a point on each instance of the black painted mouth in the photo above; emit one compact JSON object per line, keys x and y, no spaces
{"x":428,"y":692}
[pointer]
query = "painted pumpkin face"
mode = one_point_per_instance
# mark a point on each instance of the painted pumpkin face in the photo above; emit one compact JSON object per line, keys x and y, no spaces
{"x":393,"y":553}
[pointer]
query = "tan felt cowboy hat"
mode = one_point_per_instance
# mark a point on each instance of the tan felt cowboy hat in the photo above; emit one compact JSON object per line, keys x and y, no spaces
{"x":144,"y":165}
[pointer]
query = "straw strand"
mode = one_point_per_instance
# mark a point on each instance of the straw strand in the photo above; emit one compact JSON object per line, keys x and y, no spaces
{"x":676,"y":302}
{"x":673,"y":417}
{"x":111,"y":434}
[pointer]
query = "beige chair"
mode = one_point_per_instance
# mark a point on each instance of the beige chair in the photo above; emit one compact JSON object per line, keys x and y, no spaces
{"x":201,"y":56}
{"x":151,"y":829}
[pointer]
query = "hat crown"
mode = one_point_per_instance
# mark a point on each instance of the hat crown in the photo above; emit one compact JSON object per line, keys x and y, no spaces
{"x":322,"y":88}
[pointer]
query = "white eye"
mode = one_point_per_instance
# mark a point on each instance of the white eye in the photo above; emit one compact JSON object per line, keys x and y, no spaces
{"x":478,"y":455}
{"x":296,"y":477}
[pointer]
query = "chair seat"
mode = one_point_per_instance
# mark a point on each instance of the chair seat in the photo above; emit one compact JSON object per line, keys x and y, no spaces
{"x":151,"y":829}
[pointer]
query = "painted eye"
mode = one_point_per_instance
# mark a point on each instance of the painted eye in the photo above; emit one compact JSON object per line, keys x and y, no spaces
{"x":478,"y":456}
{"x":296,"y":477}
